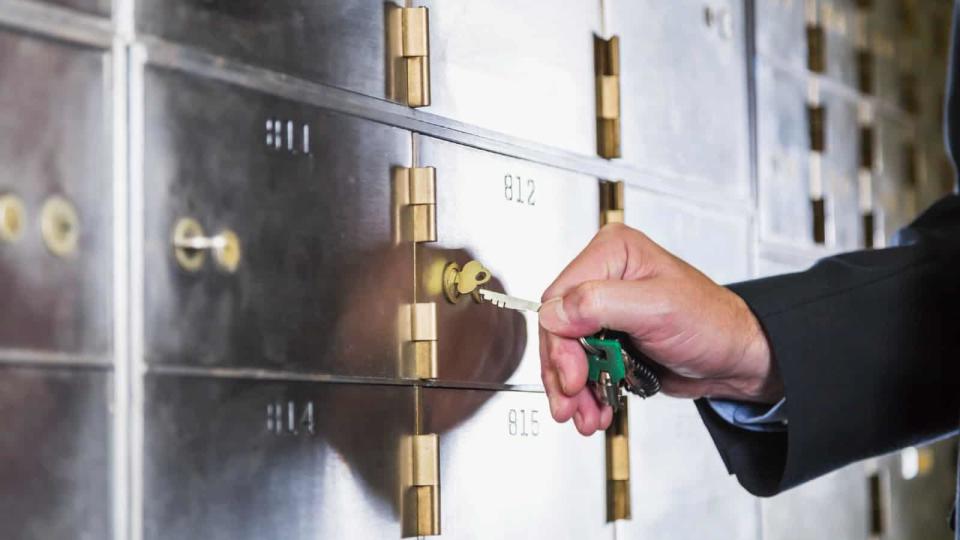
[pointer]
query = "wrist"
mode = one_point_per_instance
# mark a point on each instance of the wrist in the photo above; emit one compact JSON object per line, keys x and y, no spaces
{"x":761,"y":378}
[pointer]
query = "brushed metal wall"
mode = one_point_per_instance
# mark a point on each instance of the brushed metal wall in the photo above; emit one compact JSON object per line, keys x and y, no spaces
{"x":142,"y":399}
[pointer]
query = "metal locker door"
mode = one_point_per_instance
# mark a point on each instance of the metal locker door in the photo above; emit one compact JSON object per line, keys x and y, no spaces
{"x":307,"y":196}
{"x":56,"y":186}
{"x":841,"y":166}
{"x":525,"y":69}
{"x":524,"y":222}
{"x":55,"y":452}
{"x":508,"y":470}
{"x":248,"y":459}
{"x":341,"y":44}
{"x":833,"y":506}
{"x":783,"y":156}
{"x":684,"y":91}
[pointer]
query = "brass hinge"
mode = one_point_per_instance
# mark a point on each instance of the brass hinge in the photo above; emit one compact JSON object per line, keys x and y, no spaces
{"x":618,"y":466}
{"x":611,"y":202}
{"x":422,"y":498}
{"x":816,"y":52}
{"x":408,"y":42}
{"x":607,"y":69}
{"x":816,"y":120}
{"x":415,"y":193}
{"x":865,"y":71}
{"x":419,"y":355}
{"x":866,"y":147}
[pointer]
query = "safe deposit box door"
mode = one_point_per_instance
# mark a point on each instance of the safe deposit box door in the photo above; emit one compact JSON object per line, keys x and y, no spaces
{"x":834,"y":506}
{"x":919,"y":506}
{"x":783,"y":155}
{"x":508,"y":470}
{"x":684,"y":90}
{"x":55,"y":196}
{"x":308,"y":195}
{"x":271,"y":459}
{"x":838,"y":18}
{"x":679,"y":485}
{"x":892,"y":182}
{"x":781,"y":32}
{"x":525,"y":69}
{"x":55,"y":453}
{"x":714,"y":242}
{"x":524,"y":222}
{"x":94,"y":7}
{"x":341,"y":44}
{"x":841,"y":163}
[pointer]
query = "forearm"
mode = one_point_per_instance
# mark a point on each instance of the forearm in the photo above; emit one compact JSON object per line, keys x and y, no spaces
{"x":868,"y":347}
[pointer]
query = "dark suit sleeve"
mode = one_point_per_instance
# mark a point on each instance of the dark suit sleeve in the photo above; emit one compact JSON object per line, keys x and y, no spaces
{"x":868,"y":345}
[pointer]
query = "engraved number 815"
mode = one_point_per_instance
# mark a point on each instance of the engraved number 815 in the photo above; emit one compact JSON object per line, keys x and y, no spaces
{"x":523,"y":423}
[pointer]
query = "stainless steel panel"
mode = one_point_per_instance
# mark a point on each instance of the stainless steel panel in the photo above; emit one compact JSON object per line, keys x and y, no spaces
{"x":684,"y":90}
{"x":841,"y":164}
{"x":833,"y":506}
{"x":55,"y":121}
{"x":893,"y":193}
{"x":783,"y":156}
{"x":55,"y":453}
{"x":337,"y":43}
{"x":920,"y":507}
{"x":679,"y":485}
{"x":218,"y":465}
{"x":715,"y":242}
{"x":521,"y":68}
{"x":525,"y":222}
{"x":95,"y":7}
{"x":320,"y":283}
{"x":838,"y":18}
{"x":781,"y":31}
{"x":508,"y":470}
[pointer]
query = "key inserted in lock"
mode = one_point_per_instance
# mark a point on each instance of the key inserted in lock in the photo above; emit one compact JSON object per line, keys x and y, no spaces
{"x":459,"y":281}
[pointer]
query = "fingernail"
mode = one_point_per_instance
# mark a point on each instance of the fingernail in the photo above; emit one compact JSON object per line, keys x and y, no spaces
{"x":552,"y":316}
{"x":578,"y":419}
{"x":553,"y":405}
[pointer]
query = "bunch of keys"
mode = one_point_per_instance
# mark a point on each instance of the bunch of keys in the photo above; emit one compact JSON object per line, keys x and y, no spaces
{"x":610,"y":367}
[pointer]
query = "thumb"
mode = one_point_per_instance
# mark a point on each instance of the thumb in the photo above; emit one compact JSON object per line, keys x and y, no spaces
{"x":627,"y":306}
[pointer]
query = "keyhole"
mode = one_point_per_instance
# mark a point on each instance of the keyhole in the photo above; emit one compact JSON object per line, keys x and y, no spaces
{"x":480,"y":276}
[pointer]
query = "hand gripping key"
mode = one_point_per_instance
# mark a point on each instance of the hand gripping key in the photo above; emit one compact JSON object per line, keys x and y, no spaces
{"x":609,"y":366}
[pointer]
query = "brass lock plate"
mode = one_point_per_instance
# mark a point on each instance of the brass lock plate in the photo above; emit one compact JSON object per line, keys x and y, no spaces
{"x":227,"y":252}
{"x":12,"y":218}
{"x":459,"y":281}
{"x":184,"y":232}
{"x":60,"y":226}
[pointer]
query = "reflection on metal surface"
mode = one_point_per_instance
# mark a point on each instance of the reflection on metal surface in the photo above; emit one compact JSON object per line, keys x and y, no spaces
{"x":55,"y":98}
{"x":532,"y":476}
{"x":408,"y":55}
{"x":607,"y":66}
{"x":186,"y":230}
{"x":12,"y":217}
{"x":55,"y":457}
{"x":256,"y":459}
{"x":525,"y":222}
{"x":307,"y":298}
{"x":878,"y":487}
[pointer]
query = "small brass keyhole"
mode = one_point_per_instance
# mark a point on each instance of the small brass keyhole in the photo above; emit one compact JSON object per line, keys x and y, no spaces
{"x":11,"y":218}
{"x":189,"y":258}
{"x":60,"y":226}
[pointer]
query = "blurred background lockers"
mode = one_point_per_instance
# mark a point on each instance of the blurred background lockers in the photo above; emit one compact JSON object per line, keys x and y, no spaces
{"x":221,"y":243}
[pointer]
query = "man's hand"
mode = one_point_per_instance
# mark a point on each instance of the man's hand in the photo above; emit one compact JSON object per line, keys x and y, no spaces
{"x":703,"y":335}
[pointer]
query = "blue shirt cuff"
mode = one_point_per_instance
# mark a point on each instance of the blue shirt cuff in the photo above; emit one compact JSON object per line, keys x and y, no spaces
{"x":752,"y":416}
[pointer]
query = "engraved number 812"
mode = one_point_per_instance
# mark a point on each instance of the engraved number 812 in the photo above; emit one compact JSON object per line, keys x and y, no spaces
{"x":516,"y":189}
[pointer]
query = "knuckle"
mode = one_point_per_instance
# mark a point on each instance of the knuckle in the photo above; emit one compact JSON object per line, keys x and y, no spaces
{"x":587,"y":301}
